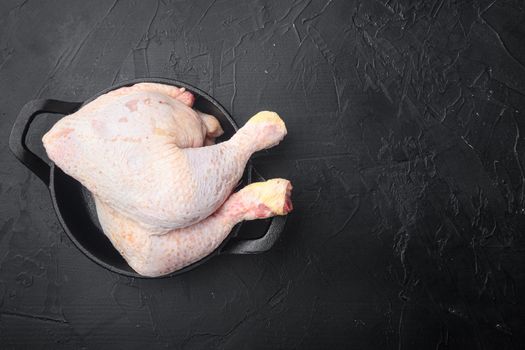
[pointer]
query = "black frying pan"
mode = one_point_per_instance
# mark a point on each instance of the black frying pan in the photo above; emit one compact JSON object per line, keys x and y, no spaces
{"x":74,"y":204}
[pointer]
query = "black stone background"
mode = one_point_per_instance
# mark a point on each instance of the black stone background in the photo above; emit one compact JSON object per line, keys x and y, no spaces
{"x":406,"y":149}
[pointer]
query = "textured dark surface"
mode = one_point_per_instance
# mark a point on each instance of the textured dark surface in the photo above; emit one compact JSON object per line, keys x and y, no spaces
{"x":406,"y":124}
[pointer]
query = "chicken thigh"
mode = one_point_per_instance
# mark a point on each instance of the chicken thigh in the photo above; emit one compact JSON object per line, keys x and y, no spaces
{"x":149,"y":160}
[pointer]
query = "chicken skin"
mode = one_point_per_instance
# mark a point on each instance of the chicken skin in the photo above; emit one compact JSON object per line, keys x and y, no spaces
{"x":162,"y":188}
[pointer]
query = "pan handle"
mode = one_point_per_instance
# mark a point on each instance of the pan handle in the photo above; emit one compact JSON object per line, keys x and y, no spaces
{"x":259,"y":245}
{"x":17,"y":139}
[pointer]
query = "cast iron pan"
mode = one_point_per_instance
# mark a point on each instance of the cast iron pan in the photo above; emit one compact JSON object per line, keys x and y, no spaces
{"x":74,"y":204}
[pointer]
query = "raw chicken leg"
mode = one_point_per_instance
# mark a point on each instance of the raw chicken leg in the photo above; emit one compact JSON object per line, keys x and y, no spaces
{"x":169,"y":250}
{"x":140,"y":151}
{"x":160,"y":194}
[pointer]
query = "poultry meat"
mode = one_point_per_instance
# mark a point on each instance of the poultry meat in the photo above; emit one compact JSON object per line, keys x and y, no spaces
{"x":162,"y":187}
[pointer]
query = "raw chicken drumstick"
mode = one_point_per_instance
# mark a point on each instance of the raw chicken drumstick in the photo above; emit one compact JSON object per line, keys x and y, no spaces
{"x":158,"y":254}
{"x":161,"y":186}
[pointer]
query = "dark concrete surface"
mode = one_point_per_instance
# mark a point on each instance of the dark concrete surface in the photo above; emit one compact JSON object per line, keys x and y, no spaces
{"x":406,"y":144}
